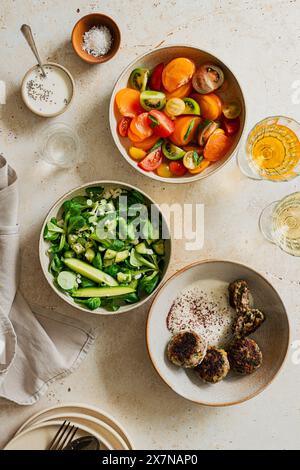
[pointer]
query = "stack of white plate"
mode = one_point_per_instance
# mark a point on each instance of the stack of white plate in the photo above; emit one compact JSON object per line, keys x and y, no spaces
{"x":38,"y":431}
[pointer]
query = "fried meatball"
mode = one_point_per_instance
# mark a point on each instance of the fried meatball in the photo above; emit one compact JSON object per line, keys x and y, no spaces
{"x":248,"y":322}
{"x":245,"y":356}
{"x":214,"y":367}
{"x":186,"y":349}
{"x":239,"y":295}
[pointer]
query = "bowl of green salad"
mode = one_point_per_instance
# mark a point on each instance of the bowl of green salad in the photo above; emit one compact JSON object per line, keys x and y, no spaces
{"x":105,"y":247}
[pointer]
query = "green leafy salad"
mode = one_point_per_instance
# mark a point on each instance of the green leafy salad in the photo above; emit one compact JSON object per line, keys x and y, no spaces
{"x":104,"y":249}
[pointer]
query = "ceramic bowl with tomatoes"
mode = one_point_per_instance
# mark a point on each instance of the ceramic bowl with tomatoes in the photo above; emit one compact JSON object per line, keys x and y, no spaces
{"x":177,"y":114}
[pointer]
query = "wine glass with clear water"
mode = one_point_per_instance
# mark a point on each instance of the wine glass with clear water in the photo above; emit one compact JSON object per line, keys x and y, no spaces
{"x":59,"y":145}
{"x":280,"y":223}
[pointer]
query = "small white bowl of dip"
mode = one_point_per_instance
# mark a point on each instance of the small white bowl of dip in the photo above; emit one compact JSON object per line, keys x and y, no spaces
{"x":51,"y":95}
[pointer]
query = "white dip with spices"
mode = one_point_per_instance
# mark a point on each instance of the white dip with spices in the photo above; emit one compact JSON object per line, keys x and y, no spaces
{"x":48,"y":95}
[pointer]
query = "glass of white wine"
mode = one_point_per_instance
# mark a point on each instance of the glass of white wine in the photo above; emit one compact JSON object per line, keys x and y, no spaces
{"x":280,"y":223}
{"x":272,"y":150}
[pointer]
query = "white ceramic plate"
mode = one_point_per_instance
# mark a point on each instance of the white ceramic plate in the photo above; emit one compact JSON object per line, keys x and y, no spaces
{"x":272,"y":337}
{"x":44,"y":246}
{"x":39,"y":436}
{"x":115,"y":440}
{"x":85,"y":411}
{"x":165,"y":54}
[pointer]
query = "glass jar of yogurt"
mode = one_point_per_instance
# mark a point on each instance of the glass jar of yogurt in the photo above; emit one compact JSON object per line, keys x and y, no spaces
{"x":51,"y":95}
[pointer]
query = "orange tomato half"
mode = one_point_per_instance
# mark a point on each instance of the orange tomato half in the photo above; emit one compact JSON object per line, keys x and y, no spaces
{"x":128,"y":102}
{"x":210,"y":105}
{"x":148,"y":143}
{"x":181,"y":92}
{"x":185,"y":130}
{"x":133,"y":137}
{"x":217,"y":146}
{"x":177,"y":72}
{"x":194,"y":148}
{"x":201,"y":167}
{"x":140,"y":126}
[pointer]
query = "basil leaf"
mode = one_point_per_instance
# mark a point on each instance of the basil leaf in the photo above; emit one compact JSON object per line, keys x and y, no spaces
{"x":154,"y":122}
{"x":197,"y":158}
{"x":190,"y":128}
{"x":158,"y":144}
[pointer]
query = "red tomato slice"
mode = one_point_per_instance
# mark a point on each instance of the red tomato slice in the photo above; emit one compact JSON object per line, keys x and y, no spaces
{"x":177,"y":168}
{"x":123,"y":126}
{"x":155,"y":82}
{"x":162,"y":124}
{"x":231,"y":126}
{"x":152,"y":161}
{"x":140,"y":126}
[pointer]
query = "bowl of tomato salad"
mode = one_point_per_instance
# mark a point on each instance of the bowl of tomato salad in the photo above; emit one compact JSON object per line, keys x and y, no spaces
{"x":177,"y":114}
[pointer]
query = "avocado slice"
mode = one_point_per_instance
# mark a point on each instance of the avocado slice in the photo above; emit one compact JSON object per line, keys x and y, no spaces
{"x":89,"y":271}
{"x":102,"y":291}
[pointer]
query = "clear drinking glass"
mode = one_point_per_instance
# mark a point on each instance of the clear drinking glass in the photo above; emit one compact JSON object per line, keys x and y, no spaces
{"x":272,"y":150}
{"x":59,"y":145}
{"x":280,"y":223}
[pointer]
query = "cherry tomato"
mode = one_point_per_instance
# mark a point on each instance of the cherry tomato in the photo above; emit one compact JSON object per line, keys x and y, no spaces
{"x":123,"y":126}
{"x":232,"y":109}
{"x":152,"y":161}
{"x":164,"y":170}
{"x":177,"y":168}
{"x":231,"y":126}
{"x":175,"y":107}
{"x":155,"y":82}
{"x":160,"y":123}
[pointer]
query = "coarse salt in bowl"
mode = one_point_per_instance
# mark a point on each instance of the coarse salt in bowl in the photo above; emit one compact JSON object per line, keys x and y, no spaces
{"x":97,"y":41}
{"x":96,"y":38}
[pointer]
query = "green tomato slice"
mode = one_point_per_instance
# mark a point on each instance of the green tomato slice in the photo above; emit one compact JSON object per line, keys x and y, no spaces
{"x":191,"y":107}
{"x":152,"y":100}
{"x":171,"y":151}
{"x":139,"y":78}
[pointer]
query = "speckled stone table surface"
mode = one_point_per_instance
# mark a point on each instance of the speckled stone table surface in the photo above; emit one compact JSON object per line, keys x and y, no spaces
{"x":259,"y":41}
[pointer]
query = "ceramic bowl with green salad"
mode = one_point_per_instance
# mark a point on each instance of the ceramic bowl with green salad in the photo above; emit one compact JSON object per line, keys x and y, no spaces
{"x":105,"y":247}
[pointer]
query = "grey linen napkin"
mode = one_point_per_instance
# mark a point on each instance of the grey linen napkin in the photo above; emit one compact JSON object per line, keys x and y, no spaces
{"x":35,"y":348}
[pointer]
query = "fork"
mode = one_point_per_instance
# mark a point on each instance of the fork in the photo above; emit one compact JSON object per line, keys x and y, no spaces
{"x":64,"y":436}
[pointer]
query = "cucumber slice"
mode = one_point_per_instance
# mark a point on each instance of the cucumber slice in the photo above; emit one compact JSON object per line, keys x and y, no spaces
{"x":103,"y":291}
{"x":67,"y":280}
{"x":90,"y":272}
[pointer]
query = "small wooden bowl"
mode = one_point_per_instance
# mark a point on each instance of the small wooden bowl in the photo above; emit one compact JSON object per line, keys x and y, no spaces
{"x":84,"y":25}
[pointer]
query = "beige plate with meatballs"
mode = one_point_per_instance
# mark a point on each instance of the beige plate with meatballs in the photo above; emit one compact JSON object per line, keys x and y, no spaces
{"x":272,"y":337}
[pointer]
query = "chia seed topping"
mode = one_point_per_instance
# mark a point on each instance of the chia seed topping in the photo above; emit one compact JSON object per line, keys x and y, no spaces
{"x":204,"y":311}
